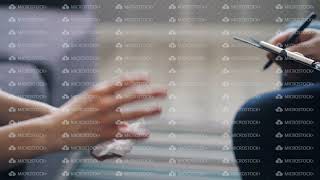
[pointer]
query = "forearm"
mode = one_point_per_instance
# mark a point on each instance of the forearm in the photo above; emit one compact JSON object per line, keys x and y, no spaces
{"x":25,"y":140}
{"x":15,"y":108}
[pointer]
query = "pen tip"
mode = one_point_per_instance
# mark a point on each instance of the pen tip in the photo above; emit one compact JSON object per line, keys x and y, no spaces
{"x":267,"y":65}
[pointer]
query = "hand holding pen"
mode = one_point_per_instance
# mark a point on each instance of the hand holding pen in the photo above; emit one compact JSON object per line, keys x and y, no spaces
{"x":308,"y":44}
{"x":289,"y":38}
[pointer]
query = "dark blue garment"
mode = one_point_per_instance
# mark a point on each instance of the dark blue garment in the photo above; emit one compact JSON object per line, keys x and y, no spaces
{"x":265,"y":134}
{"x":276,"y":135}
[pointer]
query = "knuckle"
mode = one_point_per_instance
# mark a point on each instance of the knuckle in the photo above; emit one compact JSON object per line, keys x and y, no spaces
{"x":106,"y":103}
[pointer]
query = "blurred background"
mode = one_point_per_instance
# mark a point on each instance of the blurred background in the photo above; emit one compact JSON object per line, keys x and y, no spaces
{"x":187,"y":46}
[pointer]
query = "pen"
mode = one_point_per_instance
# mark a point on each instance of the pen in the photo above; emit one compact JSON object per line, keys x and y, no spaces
{"x":293,"y":38}
{"x":294,"y":56}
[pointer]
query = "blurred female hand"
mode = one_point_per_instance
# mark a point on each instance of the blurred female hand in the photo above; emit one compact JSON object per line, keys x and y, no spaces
{"x":100,"y":105}
{"x":87,"y":119}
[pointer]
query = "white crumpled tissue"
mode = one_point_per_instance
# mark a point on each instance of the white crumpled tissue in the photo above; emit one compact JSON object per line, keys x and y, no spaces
{"x":117,"y":148}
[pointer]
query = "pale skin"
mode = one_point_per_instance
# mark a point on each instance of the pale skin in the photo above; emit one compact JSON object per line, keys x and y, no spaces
{"x":98,"y":104}
{"x":307,"y":44}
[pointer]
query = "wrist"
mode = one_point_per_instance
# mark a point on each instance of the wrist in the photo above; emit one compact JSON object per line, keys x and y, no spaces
{"x":46,"y":110}
{"x":54,"y":139}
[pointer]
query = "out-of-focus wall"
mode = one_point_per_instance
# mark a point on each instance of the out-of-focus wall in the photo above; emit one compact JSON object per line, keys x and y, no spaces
{"x":212,"y":10}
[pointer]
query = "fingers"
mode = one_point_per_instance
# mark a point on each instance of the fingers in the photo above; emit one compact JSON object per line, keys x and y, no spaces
{"x":133,"y":115}
{"x":110,"y":88}
{"x":305,"y":35}
{"x":306,"y":48}
{"x":160,"y":93}
{"x":129,"y":116}
{"x":305,"y":39}
{"x":110,"y":103}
